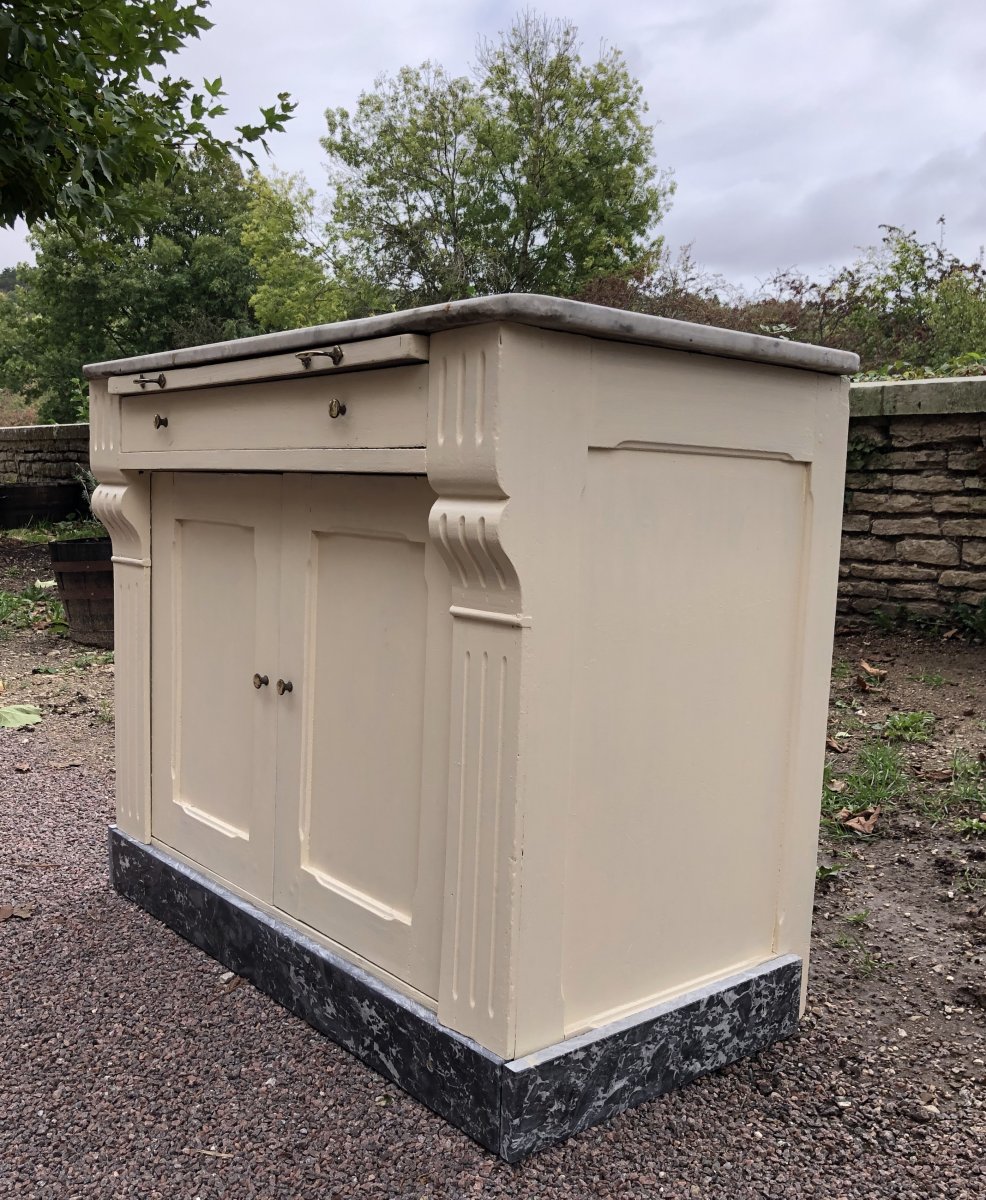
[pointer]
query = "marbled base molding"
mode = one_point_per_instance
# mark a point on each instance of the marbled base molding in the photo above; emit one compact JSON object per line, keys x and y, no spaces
{"x":511,"y":1108}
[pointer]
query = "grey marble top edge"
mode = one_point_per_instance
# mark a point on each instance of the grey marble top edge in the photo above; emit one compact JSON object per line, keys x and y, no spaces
{"x":602,"y":1032}
{"x":544,"y":312}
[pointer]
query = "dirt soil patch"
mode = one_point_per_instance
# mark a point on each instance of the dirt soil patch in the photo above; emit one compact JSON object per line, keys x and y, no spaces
{"x":131,"y":1065}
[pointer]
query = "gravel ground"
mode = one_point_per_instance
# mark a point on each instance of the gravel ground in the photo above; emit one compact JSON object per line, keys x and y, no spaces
{"x":130,"y":1066}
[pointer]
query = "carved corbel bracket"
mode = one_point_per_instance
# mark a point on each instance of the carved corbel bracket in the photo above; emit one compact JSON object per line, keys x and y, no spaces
{"x":124,"y":508}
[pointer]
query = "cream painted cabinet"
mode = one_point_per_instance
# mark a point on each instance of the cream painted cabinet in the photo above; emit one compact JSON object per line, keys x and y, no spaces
{"x":472,"y":669}
{"x":301,"y":728}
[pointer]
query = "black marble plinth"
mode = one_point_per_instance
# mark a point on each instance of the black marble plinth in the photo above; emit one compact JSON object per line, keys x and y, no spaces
{"x":510,"y":1107}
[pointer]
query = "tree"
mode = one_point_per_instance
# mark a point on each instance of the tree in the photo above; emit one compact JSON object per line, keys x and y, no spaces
{"x":537,"y":178}
{"x":83,"y":119}
{"x":910,"y":301}
{"x":106,"y":293}
{"x":287,"y":253}
{"x":908,"y":308}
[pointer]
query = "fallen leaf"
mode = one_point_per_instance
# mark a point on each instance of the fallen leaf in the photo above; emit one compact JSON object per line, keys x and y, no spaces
{"x":873,"y":672}
{"x":837,"y":785}
{"x":832,"y":744}
{"x":937,"y":774}
{"x":864,"y":822}
{"x":951,"y":633}
{"x":14,"y":716}
{"x":842,"y":815}
{"x":21,"y":911}
{"x":22,"y":768}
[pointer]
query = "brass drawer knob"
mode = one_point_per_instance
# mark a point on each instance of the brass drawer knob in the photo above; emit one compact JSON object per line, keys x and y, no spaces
{"x":284,"y":685}
{"x":260,"y":681}
{"x":160,"y":422}
{"x":336,"y":409}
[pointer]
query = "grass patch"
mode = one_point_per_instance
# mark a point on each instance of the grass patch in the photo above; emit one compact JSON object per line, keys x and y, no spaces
{"x":40,"y":533}
{"x":99,"y":658}
{"x":863,"y":961}
{"x":967,"y":786}
{"x":933,"y":806}
{"x":968,"y":620}
{"x":930,"y":679}
{"x":970,"y":883}
{"x":909,"y":727}
{"x":879,"y":779}
{"x":35,"y":608}
{"x":970,"y":827}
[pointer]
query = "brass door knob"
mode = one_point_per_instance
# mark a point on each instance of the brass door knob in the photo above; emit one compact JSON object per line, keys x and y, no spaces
{"x":260,"y":681}
{"x":336,"y":409}
{"x":160,"y":422}
{"x":284,"y":685}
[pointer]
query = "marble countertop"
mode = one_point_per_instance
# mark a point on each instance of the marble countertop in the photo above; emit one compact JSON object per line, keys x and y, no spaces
{"x":542,"y":312}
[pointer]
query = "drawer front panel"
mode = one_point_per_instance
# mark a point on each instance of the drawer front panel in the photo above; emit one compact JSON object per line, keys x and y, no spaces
{"x":373,"y":409}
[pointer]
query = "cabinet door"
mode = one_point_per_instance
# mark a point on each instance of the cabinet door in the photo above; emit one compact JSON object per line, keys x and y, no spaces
{"x":362,"y":755}
{"x":215,"y":546}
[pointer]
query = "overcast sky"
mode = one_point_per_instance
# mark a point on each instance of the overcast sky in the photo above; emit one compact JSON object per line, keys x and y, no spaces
{"x":794,"y":128}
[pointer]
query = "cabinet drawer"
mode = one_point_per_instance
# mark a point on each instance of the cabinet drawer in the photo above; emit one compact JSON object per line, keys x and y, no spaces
{"x":375,"y":409}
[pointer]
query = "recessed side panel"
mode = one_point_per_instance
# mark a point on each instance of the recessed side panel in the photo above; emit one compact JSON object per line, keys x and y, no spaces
{"x":688,"y":663}
{"x":215,"y":566}
{"x":212,"y":768}
{"x":362,"y":785}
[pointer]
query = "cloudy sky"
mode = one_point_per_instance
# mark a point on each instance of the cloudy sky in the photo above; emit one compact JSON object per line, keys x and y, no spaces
{"x":794,"y":128}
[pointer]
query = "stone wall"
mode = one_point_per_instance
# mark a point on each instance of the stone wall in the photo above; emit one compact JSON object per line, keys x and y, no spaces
{"x":43,"y":453}
{"x":914,"y":528}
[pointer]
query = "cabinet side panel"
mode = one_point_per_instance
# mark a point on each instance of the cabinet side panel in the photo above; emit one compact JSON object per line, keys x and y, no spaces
{"x":687,"y":664}
{"x":823,"y":536}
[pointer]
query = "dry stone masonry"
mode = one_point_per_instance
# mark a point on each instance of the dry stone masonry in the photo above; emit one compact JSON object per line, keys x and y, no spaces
{"x":43,"y":453}
{"x":914,"y":529}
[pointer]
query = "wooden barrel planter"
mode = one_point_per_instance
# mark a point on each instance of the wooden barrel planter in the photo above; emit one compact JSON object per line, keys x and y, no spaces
{"x":26,"y":503}
{"x":84,"y":575}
